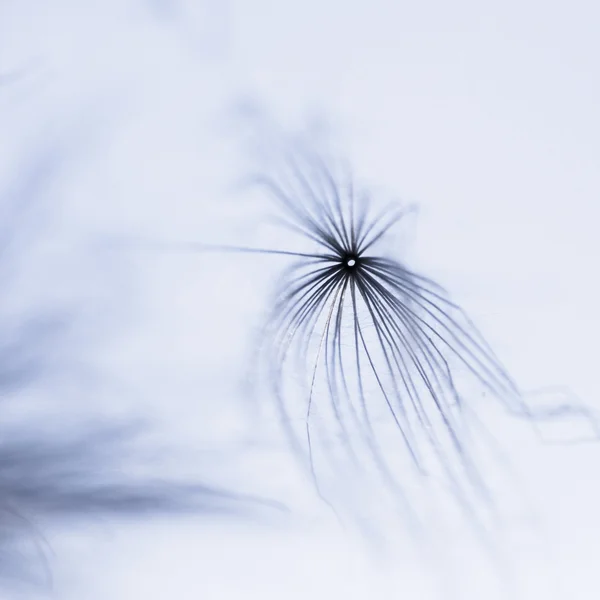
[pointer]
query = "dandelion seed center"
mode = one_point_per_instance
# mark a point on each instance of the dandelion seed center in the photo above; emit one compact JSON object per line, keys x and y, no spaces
{"x":349,"y":260}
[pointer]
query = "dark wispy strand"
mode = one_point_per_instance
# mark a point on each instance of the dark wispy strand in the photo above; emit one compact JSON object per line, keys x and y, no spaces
{"x":373,"y":367}
{"x":58,"y":468}
{"x":371,"y":341}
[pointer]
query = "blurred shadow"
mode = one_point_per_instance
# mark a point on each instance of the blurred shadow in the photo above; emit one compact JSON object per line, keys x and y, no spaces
{"x":88,"y":468}
{"x":54,"y":472}
{"x":29,"y":340}
{"x":63,"y":473}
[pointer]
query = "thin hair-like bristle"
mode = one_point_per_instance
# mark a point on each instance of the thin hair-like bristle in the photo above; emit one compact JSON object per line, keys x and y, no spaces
{"x":369,"y":332}
{"x":371,"y":339}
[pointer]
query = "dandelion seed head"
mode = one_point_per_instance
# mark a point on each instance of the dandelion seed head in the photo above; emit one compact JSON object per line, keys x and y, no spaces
{"x":372,"y":365}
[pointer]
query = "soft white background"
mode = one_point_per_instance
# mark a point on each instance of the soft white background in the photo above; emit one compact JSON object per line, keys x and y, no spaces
{"x":484,"y":114}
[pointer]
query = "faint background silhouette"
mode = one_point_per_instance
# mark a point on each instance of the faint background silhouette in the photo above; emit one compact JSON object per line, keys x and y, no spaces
{"x":73,"y":449}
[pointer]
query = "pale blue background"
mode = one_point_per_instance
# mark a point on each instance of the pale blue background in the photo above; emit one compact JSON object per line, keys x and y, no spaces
{"x":484,"y":114}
